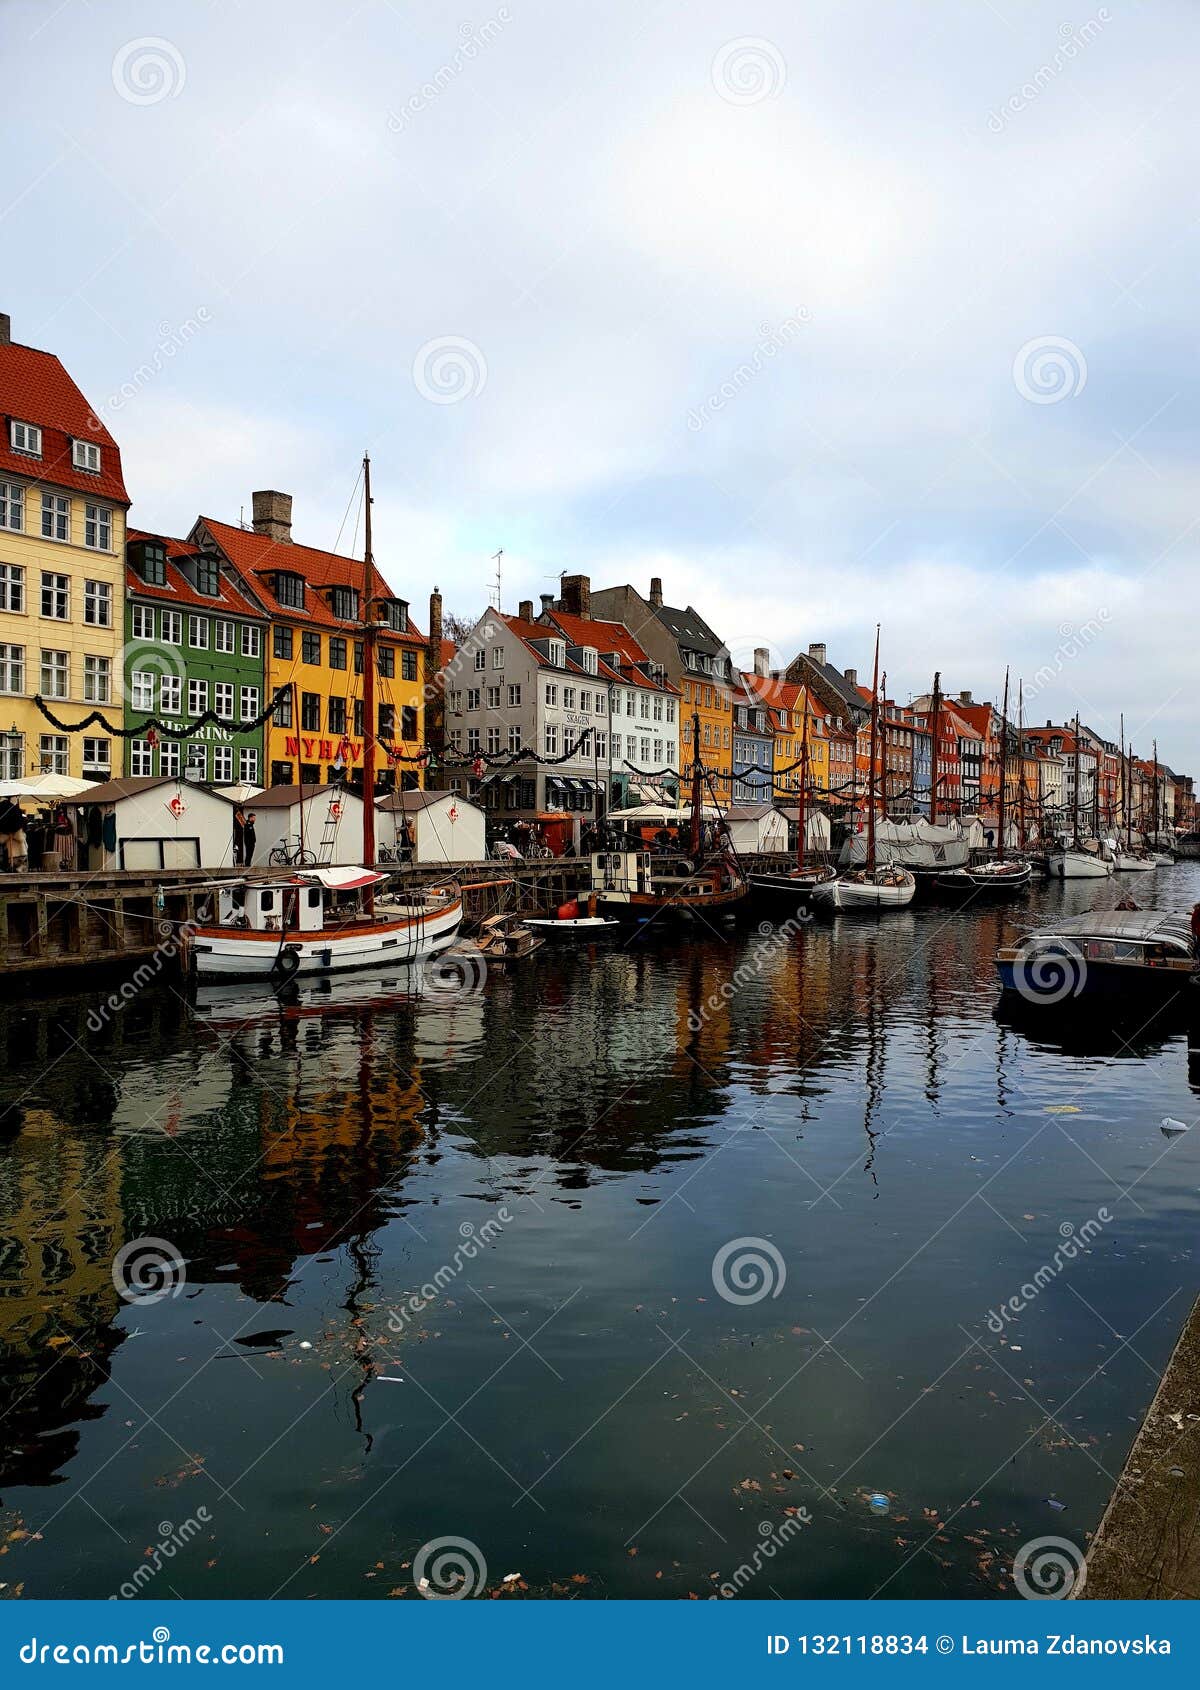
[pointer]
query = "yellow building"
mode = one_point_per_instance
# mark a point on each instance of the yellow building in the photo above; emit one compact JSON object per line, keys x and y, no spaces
{"x":316,"y":602}
{"x":62,"y":569}
{"x":786,"y":703}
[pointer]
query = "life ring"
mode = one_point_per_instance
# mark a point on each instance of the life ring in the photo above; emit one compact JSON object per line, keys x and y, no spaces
{"x":287,"y":962}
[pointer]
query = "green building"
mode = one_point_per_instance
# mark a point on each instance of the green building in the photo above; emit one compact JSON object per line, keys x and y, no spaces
{"x":195,"y":640}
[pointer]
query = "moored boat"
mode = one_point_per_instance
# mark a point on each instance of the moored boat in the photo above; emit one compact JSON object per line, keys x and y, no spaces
{"x":802,"y":880}
{"x":1101,"y":953}
{"x":1001,"y":879}
{"x":1070,"y":863}
{"x":887,"y":886}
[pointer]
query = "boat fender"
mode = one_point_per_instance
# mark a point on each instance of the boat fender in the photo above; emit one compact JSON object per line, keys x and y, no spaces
{"x":569,"y":911}
{"x":287,"y":962}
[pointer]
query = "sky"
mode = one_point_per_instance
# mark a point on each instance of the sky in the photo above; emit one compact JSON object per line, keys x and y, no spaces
{"x":828,"y":314}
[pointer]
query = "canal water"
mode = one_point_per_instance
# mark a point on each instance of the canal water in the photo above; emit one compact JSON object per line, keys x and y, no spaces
{"x":715,"y":1260}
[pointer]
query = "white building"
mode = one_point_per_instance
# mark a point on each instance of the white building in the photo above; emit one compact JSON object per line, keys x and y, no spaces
{"x":153,"y":822}
{"x":329,"y":818}
{"x":447,"y":827}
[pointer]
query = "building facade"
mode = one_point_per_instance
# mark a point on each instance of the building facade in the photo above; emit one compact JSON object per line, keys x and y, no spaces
{"x":62,"y":569}
{"x":194,"y":641}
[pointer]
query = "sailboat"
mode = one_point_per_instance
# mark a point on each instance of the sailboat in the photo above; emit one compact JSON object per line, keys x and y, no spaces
{"x":1125,"y":859}
{"x":325,"y":920}
{"x":1072,"y":862}
{"x":799,"y":881}
{"x":1003,"y":876}
{"x":1160,"y":858}
{"x":875,"y":886}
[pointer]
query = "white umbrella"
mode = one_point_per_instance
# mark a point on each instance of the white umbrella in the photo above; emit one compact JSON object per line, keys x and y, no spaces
{"x":241,"y":793}
{"x":45,"y":786}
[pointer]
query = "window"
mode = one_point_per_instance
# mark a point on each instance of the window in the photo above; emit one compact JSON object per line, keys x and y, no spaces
{"x":658,"y":707}
{"x":387,"y":722}
{"x":281,"y":642}
{"x":97,"y":757}
{"x":387,"y":661}
{"x":516,"y":740}
{"x":56,"y":596}
{"x":283,"y":714}
{"x":248,"y":765}
{"x":197,"y":761}
{"x":358,"y":657}
{"x":152,"y":564}
{"x":551,"y":739}
{"x":644,"y":710}
{"x":208,"y":577}
{"x":248,"y":699}
{"x":396,"y":614}
{"x":141,"y":685}
{"x":408,"y":722}
{"x":645,"y":751}
{"x":197,"y":698}
{"x":172,"y":627}
{"x":568,"y":698}
{"x":310,"y":711}
{"x":658,"y":753}
{"x":310,"y":648}
{"x":54,"y":754}
{"x":289,"y":590}
{"x":97,"y":604}
{"x":12,"y":506}
{"x":670,"y":710}
{"x":223,"y":700}
{"x":631,"y":703}
{"x":343,"y":601}
{"x":85,"y":455}
{"x":222,"y":764}
{"x":551,"y":693}
{"x":480,"y":658}
{"x":25,"y":437}
{"x":493,"y":698}
{"x":12,"y":756}
{"x":514,"y":698}
{"x":198,"y":632}
{"x":141,"y":621}
{"x":591,"y":660}
{"x":630,"y":749}
{"x":251,"y":640}
{"x":170,"y":694}
{"x":56,"y":517}
{"x":472,"y":739}
{"x":97,"y":680}
{"x":358,"y":717}
{"x":97,"y":528}
{"x":601,"y":703}
{"x":602,"y":747}
{"x":473,"y":697}
{"x":337,"y":715}
{"x":585,"y":700}
{"x":12,"y":587}
{"x":12,"y":668}
{"x":222,"y":635}
{"x":337,"y":652}
{"x":493,"y":741}
{"x":141,"y":757}
{"x":56,"y":674}
{"x":408,"y":665}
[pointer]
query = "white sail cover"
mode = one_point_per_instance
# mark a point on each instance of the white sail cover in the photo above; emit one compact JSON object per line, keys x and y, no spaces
{"x":916,"y":845}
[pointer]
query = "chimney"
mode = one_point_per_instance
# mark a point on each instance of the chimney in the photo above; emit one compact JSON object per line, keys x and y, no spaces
{"x":816,"y":653}
{"x":525,"y":610}
{"x":577,"y":595}
{"x":965,"y":698}
{"x":435,"y":682}
{"x":547,"y":602}
{"x":656,"y":591}
{"x":5,"y":329}
{"x":852,"y":676}
{"x":762,"y":660}
{"x":435,"y":618}
{"x":273,"y":515}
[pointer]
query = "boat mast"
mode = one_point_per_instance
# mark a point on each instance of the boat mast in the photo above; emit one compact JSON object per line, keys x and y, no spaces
{"x":694,"y":840}
{"x":935,"y":716}
{"x":800,"y":817}
{"x":1003,"y":765}
{"x":1075,"y":792}
{"x":1156,"y":795}
{"x":369,"y":637}
{"x":871,"y":770}
{"x":1124,"y":784}
{"x":1021,"y":762}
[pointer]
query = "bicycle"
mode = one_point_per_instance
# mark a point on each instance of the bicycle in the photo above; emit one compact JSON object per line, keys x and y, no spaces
{"x":397,"y":854}
{"x":291,"y":854}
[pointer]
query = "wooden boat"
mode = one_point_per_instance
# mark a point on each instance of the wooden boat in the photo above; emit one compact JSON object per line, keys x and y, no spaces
{"x":1103,"y":953}
{"x":801,"y":881}
{"x":1126,"y":859}
{"x":1001,"y":878}
{"x":318,"y":921}
{"x":1072,"y":862}
{"x":875,"y":886}
{"x":573,"y":920}
{"x":1132,"y":862}
{"x":506,"y":938}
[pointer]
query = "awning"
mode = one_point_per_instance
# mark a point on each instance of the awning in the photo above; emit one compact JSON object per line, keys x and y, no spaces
{"x":341,"y":879}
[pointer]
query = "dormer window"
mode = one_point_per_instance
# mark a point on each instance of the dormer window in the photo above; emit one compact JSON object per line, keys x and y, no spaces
{"x":343,"y":601}
{"x":149,"y":558}
{"x":289,"y":589}
{"x":86,"y":456}
{"x":26,"y":438}
{"x":395,"y":614}
{"x":591,"y":660}
{"x":613,"y":659}
{"x":557,"y":651}
{"x":208,"y":577}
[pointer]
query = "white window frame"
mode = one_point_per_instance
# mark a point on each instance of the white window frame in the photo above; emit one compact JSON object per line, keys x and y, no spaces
{"x":169,"y":758}
{"x":12,"y":506}
{"x":59,"y":590}
{"x":12,"y":669}
{"x":12,"y":588}
{"x":25,"y":438}
{"x":56,"y":518}
{"x":251,"y":639}
{"x":55,"y":671}
{"x":223,"y":700}
{"x":196,"y":764}
{"x":248,"y":698}
{"x":223,"y":634}
{"x":497,"y":657}
{"x":54,"y":754}
{"x":514,"y":696}
{"x":141,"y":621}
{"x":170,"y":695}
{"x":141,"y":690}
{"x":141,"y":757}
{"x":97,"y":597}
{"x":248,"y":765}
{"x":97,"y":756}
{"x":97,"y":528}
{"x":222,"y":764}
{"x":85,"y":455}
{"x":197,"y":697}
{"x":97,"y":679}
{"x":196,"y":625}
{"x":171,"y":627}
{"x":12,"y":756}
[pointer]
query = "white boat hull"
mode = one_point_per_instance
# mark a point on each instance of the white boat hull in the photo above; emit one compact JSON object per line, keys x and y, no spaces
{"x":868,"y":894}
{"x":221,"y":953}
{"x":1078,"y":865}
{"x":1125,"y":864}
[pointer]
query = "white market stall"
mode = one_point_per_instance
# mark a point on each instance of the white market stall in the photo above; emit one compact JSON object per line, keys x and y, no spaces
{"x":817,"y":832}
{"x":757,"y":827}
{"x":446,"y":827}
{"x":329,"y":817}
{"x":152,"y":822}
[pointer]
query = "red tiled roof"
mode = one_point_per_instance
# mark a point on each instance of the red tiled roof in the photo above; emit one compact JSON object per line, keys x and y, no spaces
{"x":178,"y":589}
{"x":258,"y":556}
{"x":35,"y":388}
{"x":606,"y":637}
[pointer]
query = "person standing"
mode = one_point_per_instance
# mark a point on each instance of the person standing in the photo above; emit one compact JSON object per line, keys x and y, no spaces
{"x":12,"y":832}
{"x":249,"y":838}
{"x":239,"y":835}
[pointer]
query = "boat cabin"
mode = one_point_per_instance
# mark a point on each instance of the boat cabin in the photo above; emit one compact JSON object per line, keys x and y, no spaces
{"x":621,"y":871}
{"x":267,"y":908}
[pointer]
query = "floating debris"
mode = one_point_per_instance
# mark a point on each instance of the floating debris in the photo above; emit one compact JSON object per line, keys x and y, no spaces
{"x":878,"y":1502}
{"x":1171,"y":1128}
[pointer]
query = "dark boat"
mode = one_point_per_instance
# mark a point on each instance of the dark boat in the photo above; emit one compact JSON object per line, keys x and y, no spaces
{"x":1103,"y":954}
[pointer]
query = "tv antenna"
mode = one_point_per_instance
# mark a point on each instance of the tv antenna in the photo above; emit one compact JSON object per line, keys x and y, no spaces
{"x":494,"y":595}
